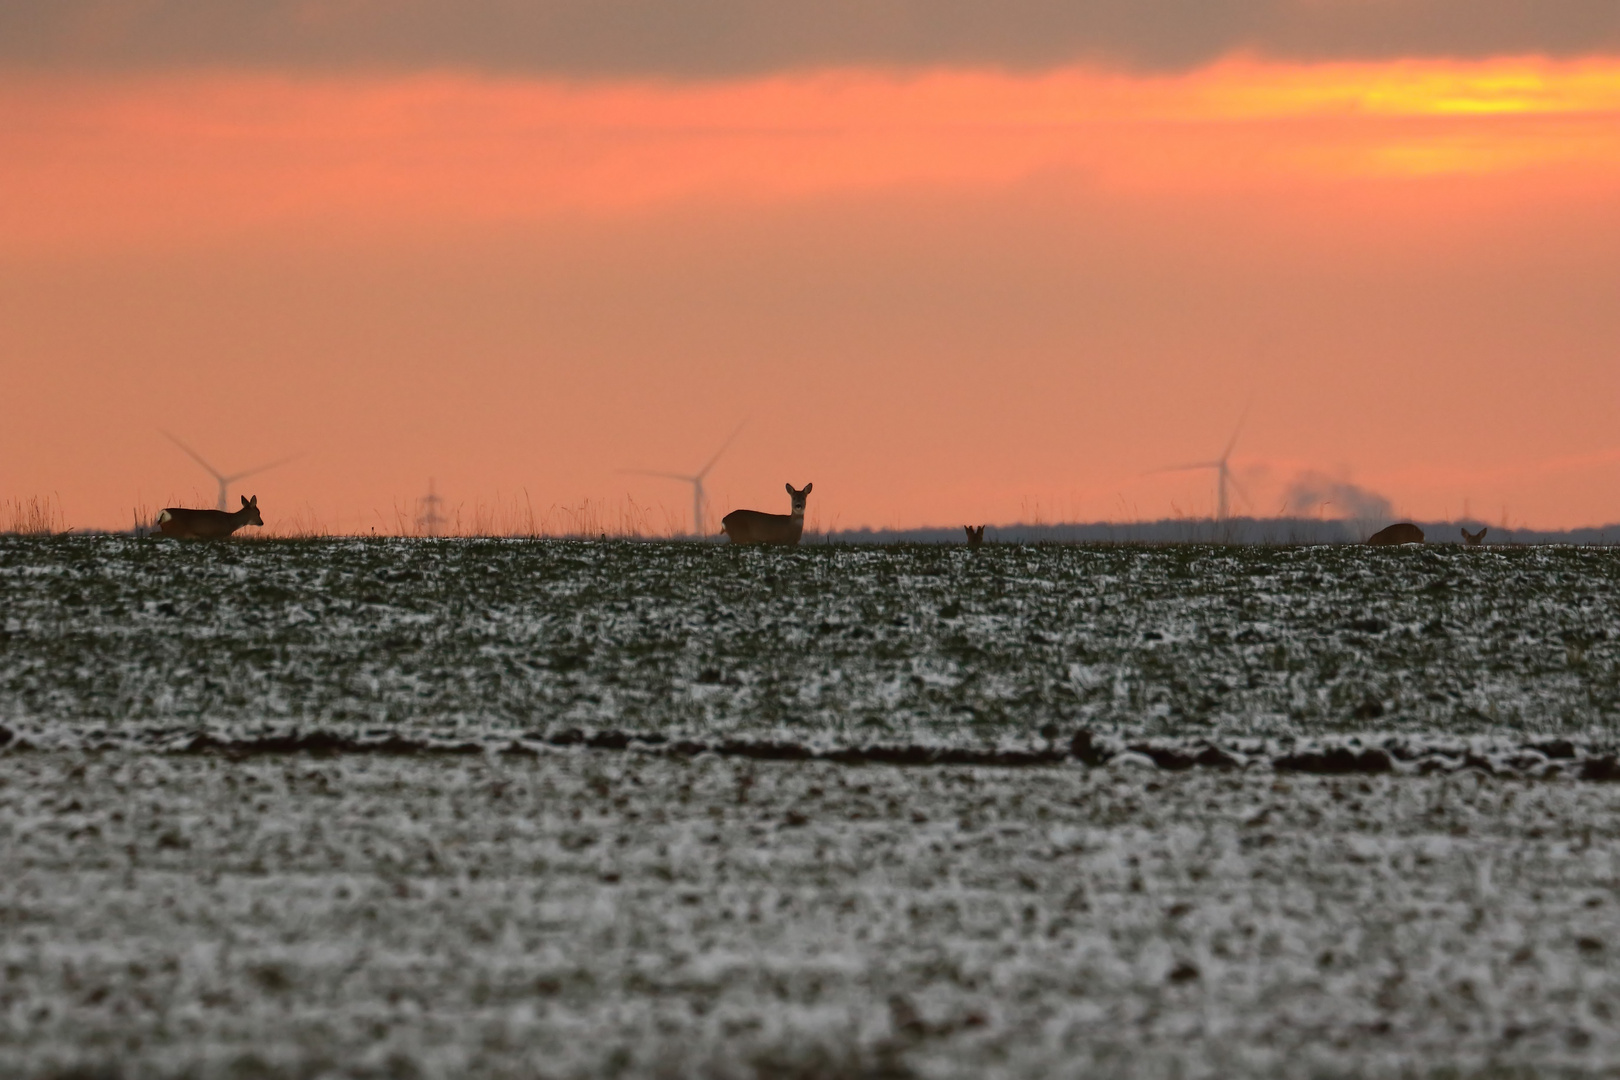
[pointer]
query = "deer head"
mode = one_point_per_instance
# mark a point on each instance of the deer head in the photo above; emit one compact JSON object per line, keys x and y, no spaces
{"x":799,"y":498}
{"x":975,"y":537}
{"x":1472,"y":539}
{"x":251,"y":508}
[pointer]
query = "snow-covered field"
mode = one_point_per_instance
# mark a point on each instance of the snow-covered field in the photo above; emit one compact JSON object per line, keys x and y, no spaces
{"x":825,"y":646}
{"x":449,"y":808}
{"x":590,"y":913}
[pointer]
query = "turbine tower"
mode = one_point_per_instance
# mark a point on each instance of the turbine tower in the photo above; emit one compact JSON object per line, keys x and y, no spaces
{"x":695,"y":479}
{"x":1223,"y":473}
{"x":225,"y":482}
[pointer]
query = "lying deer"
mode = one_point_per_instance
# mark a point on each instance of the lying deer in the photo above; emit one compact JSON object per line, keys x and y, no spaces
{"x":1403,"y":533}
{"x":754,"y":527}
{"x":1474,"y":539}
{"x":183,"y":524}
{"x":975,"y":536}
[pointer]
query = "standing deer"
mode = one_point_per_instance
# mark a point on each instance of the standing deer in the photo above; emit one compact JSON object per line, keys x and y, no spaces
{"x":975,"y":536}
{"x":754,"y":527}
{"x":1474,"y":539}
{"x":1403,"y":533}
{"x":183,"y":524}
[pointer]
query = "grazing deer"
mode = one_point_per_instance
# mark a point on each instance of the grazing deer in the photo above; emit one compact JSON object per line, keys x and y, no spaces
{"x":1474,"y":539}
{"x":975,"y":536}
{"x":1403,"y":533}
{"x":183,"y":524}
{"x":753,"y":527}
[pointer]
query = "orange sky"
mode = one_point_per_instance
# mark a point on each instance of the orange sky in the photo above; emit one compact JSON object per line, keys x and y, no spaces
{"x":942,"y":295}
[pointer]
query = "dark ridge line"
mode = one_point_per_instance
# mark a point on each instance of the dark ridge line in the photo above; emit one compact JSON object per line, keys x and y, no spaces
{"x":1326,"y":757}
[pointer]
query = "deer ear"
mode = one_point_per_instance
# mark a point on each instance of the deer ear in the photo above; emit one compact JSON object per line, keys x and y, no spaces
{"x":807,"y":488}
{"x":790,"y":490}
{"x":254,"y":501}
{"x":244,"y":500}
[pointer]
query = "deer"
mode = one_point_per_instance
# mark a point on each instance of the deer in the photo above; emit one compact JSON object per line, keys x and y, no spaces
{"x":754,"y":527}
{"x":975,"y":536}
{"x":183,"y":524}
{"x":1475,"y":539}
{"x":1403,"y":533}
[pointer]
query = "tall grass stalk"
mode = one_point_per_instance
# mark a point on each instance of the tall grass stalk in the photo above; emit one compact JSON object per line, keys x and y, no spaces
{"x":299,"y":525}
{"x":35,"y":516}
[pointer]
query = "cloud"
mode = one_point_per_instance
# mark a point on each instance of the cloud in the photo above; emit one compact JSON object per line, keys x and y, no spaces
{"x":723,"y":38}
{"x":1310,"y":491}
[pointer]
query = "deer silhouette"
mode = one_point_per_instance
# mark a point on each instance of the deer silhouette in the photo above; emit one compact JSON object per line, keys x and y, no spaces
{"x":1402,"y":533}
{"x":755,"y":527}
{"x":184,"y":524}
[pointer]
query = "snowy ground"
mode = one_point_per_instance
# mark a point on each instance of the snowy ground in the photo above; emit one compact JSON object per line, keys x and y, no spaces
{"x":588,"y":913}
{"x":525,"y":860}
{"x":922,"y":645}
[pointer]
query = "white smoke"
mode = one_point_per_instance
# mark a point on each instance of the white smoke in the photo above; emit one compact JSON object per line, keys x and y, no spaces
{"x":1335,"y":496}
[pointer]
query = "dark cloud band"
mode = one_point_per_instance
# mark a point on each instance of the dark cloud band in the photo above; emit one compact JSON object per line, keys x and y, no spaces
{"x":706,"y":38}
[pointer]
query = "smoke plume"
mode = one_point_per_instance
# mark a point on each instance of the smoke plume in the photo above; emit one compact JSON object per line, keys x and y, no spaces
{"x":1335,"y":496}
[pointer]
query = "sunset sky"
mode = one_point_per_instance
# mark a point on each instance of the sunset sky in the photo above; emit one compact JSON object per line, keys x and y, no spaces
{"x":951,"y":262}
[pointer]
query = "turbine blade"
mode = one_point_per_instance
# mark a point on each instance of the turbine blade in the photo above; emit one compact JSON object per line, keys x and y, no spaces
{"x":1244,"y":415}
{"x":262,"y":468}
{"x":1184,"y":468}
{"x":198,"y":458}
{"x":665,"y":475}
{"x":729,"y":439}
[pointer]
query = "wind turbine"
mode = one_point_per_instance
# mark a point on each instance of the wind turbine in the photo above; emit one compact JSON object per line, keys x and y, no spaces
{"x":225,"y":482}
{"x":696,"y":479}
{"x":1223,"y":474}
